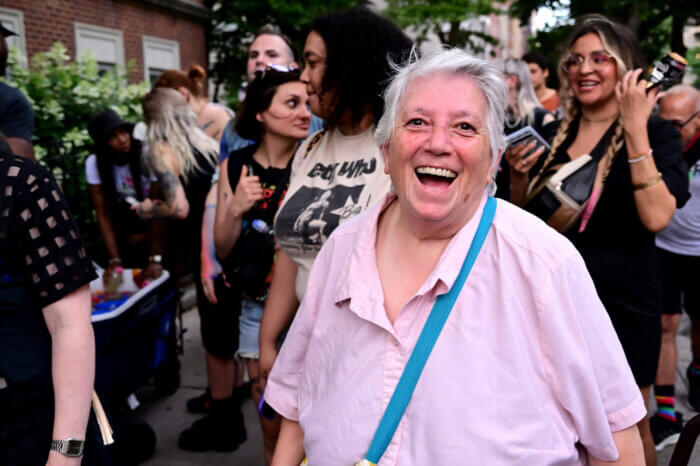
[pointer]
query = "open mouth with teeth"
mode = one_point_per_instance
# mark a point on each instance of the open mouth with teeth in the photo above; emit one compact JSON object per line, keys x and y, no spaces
{"x":587,"y":84}
{"x":435,"y":177}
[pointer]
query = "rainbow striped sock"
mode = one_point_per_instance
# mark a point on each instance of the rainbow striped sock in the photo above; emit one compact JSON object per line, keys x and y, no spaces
{"x":664,"y":395}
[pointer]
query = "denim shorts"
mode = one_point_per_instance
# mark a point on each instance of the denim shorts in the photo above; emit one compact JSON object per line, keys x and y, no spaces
{"x":249,"y":327}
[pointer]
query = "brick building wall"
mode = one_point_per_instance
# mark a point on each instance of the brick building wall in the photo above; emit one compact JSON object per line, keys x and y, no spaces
{"x":48,"y":21}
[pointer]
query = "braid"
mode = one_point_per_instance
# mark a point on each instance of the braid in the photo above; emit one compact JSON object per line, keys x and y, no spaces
{"x":562,"y":132}
{"x":616,"y":143}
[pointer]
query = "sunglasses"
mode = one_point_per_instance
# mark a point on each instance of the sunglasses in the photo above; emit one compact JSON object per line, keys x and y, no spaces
{"x":276,"y":69}
{"x":680,"y":124}
{"x":599,"y":60}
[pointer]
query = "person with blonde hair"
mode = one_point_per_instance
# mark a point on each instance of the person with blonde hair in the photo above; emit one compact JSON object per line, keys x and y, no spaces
{"x":635,"y":177}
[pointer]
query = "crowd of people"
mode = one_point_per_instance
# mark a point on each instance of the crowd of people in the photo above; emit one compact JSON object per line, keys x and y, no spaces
{"x":375,"y":264}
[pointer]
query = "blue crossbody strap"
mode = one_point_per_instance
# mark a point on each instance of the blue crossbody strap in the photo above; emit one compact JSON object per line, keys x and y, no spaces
{"x":429,"y":335}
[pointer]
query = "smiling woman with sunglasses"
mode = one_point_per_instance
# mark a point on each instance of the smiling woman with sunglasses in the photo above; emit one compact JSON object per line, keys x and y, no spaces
{"x":636,"y":179}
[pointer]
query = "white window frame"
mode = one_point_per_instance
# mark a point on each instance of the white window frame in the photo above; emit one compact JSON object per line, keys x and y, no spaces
{"x":85,"y":32}
{"x":14,"y":21}
{"x":161,"y":46}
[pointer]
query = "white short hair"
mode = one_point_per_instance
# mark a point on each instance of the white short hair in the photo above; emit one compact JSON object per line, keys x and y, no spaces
{"x":452,"y":61}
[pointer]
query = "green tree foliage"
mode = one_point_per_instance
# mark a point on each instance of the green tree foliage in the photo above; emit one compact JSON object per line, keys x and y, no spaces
{"x":235,"y":23}
{"x":444,"y":18}
{"x":65,"y":94}
{"x":658,"y":24}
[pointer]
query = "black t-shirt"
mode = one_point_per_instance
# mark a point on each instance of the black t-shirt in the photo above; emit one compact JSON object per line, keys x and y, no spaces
{"x":196,"y":188}
{"x":16,"y":114}
{"x":617,"y":248}
{"x":274,"y":181}
{"x":40,"y":245}
{"x":42,"y":259}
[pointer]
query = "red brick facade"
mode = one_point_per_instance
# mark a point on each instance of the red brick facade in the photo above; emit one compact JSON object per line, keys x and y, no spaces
{"x":48,"y":21}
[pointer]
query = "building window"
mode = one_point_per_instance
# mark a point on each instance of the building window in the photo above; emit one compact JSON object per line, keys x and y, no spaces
{"x":106,"y":45}
{"x":159,"y":55}
{"x":14,"y":21}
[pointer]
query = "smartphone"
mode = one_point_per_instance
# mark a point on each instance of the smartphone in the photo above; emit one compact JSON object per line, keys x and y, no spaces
{"x":131,"y":200}
{"x":667,"y":71}
{"x":525,"y":136}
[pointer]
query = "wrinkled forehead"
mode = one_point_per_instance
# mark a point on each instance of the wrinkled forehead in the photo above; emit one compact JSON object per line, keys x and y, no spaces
{"x":449,"y":93}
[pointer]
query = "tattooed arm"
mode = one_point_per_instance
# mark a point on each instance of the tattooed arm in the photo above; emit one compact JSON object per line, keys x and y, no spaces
{"x":164,"y":166}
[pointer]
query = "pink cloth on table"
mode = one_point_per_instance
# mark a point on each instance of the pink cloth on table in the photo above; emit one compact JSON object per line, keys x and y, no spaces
{"x":527,"y":366}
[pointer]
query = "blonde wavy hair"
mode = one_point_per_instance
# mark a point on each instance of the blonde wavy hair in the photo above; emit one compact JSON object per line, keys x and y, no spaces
{"x":172,"y":122}
{"x":621,"y":44}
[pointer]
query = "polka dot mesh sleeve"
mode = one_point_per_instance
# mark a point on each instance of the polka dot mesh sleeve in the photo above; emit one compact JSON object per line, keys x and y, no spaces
{"x":54,"y":254}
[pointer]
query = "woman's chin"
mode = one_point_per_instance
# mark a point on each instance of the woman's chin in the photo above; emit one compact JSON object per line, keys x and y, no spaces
{"x":431,"y":211}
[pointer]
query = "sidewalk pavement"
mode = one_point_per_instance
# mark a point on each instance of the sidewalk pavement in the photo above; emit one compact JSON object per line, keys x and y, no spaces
{"x":168,"y":416}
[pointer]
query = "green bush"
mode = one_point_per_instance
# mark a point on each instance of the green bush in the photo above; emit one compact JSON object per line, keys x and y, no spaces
{"x":65,"y":95}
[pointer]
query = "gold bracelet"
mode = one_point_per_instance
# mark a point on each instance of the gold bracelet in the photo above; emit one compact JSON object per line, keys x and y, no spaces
{"x":648,"y":184}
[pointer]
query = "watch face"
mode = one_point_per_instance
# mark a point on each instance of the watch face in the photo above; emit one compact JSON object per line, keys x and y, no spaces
{"x":74,"y":447}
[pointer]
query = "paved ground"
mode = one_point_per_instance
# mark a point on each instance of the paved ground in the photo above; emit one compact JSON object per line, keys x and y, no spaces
{"x":168,"y":416}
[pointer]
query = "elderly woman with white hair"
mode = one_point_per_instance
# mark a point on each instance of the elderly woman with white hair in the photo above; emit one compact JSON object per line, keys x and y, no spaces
{"x":444,"y":327}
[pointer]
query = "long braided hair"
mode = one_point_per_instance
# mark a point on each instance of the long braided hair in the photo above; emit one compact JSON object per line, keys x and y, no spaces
{"x":621,"y":44}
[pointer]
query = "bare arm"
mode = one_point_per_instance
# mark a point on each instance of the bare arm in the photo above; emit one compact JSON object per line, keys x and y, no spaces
{"x":210,"y":266}
{"x":280,"y":306}
{"x":655,"y":204}
{"x":233,"y":206}
{"x":289,"y":450}
{"x":629,"y":446}
{"x":104,"y":220}
{"x":520,"y":165}
{"x":72,"y":367}
{"x":154,"y":270}
{"x":21,"y":147}
{"x":175,"y":205}
{"x":227,"y":227}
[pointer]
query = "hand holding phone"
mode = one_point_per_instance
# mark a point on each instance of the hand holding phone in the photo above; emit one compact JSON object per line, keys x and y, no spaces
{"x":526,"y":136}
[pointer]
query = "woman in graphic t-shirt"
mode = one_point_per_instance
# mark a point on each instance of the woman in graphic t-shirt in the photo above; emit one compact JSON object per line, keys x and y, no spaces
{"x":338,"y":172}
{"x":116,"y":179}
{"x":252,"y":185}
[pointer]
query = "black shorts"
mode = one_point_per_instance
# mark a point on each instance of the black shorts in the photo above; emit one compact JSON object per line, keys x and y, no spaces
{"x":219,"y":322}
{"x":640,"y":336}
{"x":679,"y":277}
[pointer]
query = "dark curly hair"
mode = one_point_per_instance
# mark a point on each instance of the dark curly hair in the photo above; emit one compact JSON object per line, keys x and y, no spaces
{"x":259,"y":96}
{"x":359,"y":47}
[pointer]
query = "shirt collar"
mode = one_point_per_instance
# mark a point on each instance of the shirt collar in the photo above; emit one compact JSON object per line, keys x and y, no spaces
{"x":359,"y":280}
{"x":445,"y":273}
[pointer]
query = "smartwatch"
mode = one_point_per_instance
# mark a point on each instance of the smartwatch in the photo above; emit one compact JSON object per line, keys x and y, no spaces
{"x":69,"y":447}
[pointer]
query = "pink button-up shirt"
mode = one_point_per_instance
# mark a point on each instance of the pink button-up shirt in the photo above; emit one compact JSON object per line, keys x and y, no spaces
{"x":526,"y":370}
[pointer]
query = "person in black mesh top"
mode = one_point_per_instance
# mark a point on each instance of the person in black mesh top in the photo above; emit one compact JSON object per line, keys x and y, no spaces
{"x":47,"y":353}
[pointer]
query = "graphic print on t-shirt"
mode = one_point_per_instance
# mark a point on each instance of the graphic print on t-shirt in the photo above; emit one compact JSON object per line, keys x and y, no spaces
{"x":317,"y":212}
